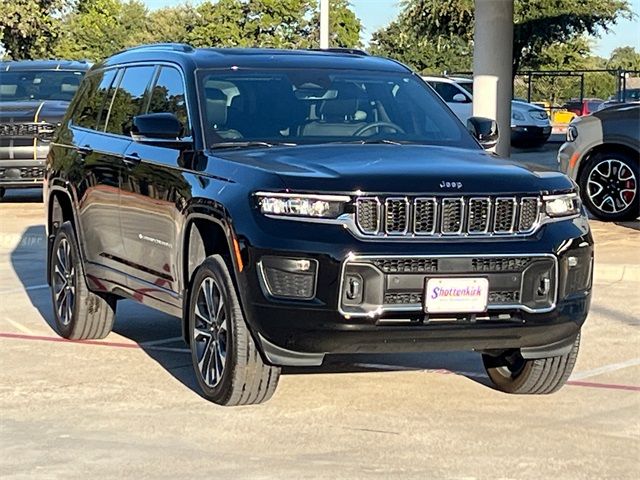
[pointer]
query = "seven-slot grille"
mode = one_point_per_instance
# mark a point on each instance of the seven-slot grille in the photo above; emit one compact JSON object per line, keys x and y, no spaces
{"x":447,"y":216}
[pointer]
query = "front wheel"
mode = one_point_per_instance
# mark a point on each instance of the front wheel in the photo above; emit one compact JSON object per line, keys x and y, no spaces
{"x":226,"y":360}
{"x":511,"y":373}
{"x":79,"y":313}
{"x":609,"y":186}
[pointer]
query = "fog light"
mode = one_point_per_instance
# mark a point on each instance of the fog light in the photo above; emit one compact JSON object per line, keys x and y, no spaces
{"x":289,"y":277}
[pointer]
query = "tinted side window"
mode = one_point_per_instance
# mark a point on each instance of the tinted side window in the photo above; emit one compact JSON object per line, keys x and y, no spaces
{"x":129,"y":99}
{"x":167,"y":95}
{"x":446,"y":91}
{"x":91,"y":99}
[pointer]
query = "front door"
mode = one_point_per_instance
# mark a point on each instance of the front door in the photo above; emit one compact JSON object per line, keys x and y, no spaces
{"x":153,"y":190}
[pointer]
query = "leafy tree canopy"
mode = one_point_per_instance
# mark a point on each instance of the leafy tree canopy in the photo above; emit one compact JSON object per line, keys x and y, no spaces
{"x":28,"y":28}
{"x":538,"y":24}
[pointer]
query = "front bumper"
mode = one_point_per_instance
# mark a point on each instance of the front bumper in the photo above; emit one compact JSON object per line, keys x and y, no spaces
{"x":22,"y":173}
{"x":530,"y":134}
{"x":301,"y":332}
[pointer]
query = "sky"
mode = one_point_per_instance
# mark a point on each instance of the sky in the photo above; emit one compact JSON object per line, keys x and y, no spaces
{"x":378,"y":13}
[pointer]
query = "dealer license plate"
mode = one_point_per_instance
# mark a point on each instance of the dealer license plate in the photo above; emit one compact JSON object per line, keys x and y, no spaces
{"x":456,"y":295}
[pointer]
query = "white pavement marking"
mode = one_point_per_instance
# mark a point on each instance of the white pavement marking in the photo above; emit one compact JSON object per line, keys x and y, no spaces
{"x":166,"y":349}
{"x":22,"y":328}
{"x":160,"y":342}
{"x":605,"y":369}
{"x":23,"y":289}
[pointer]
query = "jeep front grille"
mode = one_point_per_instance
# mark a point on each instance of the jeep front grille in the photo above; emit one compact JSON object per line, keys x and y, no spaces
{"x":446,"y":216}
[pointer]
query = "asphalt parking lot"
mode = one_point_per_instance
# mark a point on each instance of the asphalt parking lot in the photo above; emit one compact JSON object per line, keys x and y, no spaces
{"x":128,"y":406}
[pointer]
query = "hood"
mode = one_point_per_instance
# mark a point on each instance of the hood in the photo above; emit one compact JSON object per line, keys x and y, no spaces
{"x":519,"y":104}
{"x":50,"y":111}
{"x":410,"y":169}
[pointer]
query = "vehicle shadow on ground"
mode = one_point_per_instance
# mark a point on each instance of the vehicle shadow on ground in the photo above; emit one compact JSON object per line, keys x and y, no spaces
{"x":159,"y":335}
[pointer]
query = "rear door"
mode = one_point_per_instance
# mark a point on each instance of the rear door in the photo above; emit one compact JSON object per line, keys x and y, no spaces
{"x":153,"y":191}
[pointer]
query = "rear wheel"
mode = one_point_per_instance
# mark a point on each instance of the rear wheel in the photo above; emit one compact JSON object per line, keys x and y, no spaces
{"x":1,"y":193}
{"x":79,"y":313}
{"x":512,"y":373}
{"x":226,"y":360}
{"x":609,"y":186}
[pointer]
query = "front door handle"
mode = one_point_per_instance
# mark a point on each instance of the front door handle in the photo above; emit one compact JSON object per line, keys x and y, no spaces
{"x":84,"y":150}
{"x":132,"y":160}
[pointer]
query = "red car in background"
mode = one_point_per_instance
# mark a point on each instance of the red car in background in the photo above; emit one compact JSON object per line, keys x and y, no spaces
{"x":584,"y":106}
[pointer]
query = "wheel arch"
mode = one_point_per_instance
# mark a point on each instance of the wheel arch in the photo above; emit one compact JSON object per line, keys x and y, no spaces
{"x":59,"y":210}
{"x":206,"y":234}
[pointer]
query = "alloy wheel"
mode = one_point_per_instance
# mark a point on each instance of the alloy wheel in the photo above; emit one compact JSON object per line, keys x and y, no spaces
{"x":64,"y":282}
{"x":210,"y":332}
{"x":612,"y":186}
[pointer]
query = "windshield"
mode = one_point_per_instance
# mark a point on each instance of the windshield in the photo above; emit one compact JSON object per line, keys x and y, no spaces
{"x":27,"y":85}
{"x":468,"y":86}
{"x":315,"y":106}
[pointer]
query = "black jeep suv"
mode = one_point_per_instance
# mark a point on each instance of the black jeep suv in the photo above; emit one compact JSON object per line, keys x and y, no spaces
{"x":287,"y":205}
{"x":34,"y":96}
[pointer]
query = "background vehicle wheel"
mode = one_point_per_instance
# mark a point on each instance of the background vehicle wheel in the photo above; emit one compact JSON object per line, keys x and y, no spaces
{"x":609,"y":186}
{"x":1,"y":193}
{"x":227,"y":363}
{"x":513,"y":374}
{"x":79,"y":313}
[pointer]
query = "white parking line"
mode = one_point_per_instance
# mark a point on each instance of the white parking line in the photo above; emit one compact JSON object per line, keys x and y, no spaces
{"x":22,"y":328}
{"x":605,"y":369}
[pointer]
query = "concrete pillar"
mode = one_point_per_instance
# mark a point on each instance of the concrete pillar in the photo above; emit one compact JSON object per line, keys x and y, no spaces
{"x":492,"y":63}
{"x":324,"y":23}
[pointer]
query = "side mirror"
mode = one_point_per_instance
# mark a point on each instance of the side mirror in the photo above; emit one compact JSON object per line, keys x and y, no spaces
{"x":156,"y":128}
{"x":460,"y":98}
{"x":484,"y":130}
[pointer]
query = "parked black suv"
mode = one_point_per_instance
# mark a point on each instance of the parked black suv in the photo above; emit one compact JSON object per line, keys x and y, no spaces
{"x":34,"y":96}
{"x":292,"y":204}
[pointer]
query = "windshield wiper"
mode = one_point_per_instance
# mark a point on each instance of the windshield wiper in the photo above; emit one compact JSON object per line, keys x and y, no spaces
{"x":371,"y":141}
{"x":250,"y":144}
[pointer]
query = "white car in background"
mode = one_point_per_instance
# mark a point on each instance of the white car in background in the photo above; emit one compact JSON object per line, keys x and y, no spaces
{"x":530,"y":126}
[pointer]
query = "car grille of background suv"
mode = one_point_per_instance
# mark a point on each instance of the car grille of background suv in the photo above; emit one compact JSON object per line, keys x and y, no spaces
{"x":25,"y":129}
{"x":446,"y":216}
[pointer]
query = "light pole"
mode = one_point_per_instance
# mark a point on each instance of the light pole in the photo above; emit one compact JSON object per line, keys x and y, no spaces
{"x":324,"y":24}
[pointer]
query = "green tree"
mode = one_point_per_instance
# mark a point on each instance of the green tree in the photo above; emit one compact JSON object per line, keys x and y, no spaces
{"x":625,"y":58}
{"x":171,"y":24}
{"x":97,"y":29}
{"x":538,"y":24}
{"x":28,"y":28}
{"x":344,"y":25}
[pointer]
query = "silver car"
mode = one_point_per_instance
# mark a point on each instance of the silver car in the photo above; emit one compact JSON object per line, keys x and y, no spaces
{"x":602,"y":154}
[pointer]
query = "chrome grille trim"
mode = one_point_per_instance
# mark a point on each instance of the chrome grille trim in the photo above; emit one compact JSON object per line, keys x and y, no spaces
{"x":393,"y":208}
{"x":499,"y":218}
{"x":447,"y":219}
{"x":360,"y":202}
{"x":433,"y":217}
{"x":483,"y":201}
{"x":418,"y":205}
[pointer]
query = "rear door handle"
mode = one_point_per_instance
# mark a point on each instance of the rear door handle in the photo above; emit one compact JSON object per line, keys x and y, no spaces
{"x":132,"y":159}
{"x":84,"y":150}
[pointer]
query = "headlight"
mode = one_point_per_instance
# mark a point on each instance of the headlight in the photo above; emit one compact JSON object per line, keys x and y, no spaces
{"x":301,"y":205}
{"x":572,"y":133}
{"x":538,"y":114}
{"x":561,"y":205}
{"x":517,"y":116}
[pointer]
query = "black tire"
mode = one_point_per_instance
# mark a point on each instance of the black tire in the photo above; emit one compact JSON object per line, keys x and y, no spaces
{"x":1,"y":193}
{"x":513,"y":374}
{"x":591,"y":177}
{"x":79,"y":313}
{"x":244,"y":378}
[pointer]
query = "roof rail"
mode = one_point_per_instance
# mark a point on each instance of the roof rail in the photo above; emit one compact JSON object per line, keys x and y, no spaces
{"x":178,"y":47}
{"x":350,"y":51}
